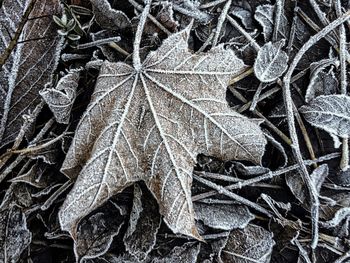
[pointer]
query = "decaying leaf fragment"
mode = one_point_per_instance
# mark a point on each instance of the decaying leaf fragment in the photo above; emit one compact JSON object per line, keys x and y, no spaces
{"x":223,"y":216}
{"x":322,"y":82}
{"x":107,"y":17}
{"x":61,"y":98}
{"x":251,"y":244}
{"x":330,"y":113}
{"x":30,"y":65}
{"x":14,"y":234}
{"x":150,"y":123}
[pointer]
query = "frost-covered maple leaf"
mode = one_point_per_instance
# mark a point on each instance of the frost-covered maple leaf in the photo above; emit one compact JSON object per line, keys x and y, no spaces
{"x":148,"y":122}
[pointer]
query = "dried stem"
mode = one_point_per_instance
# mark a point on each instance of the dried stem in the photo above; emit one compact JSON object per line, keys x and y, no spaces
{"x":221,"y":21}
{"x":278,"y":15}
{"x":136,"y":53}
{"x":315,"y":27}
{"x":305,"y":134}
{"x":98,"y":42}
{"x":244,"y":33}
{"x":291,"y":124}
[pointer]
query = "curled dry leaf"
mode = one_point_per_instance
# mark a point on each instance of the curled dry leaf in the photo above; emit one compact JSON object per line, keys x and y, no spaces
{"x":330,"y":113}
{"x":61,"y":98}
{"x":222,"y":216}
{"x":14,"y":234}
{"x":30,"y":65}
{"x":271,"y":62}
{"x":107,"y":17}
{"x":322,"y":82}
{"x":150,"y":123}
{"x":251,"y":244}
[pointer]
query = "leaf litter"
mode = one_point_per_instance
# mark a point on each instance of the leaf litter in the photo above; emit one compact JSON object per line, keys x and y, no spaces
{"x":109,"y":110}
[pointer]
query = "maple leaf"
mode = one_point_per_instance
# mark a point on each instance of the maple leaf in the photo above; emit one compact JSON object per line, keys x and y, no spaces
{"x":149,"y":123}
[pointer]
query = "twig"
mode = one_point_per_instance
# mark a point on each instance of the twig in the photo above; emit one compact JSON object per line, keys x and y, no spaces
{"x":263,"y":177}
{"x":119,"y":49}
{"x":342,"y":258}
{"x":56,"y":194}
{"x":244,"y":33}
{"x":291,"y":125}
{"x":220,"y":189}
{"x":256,"y":97}
{"x":305,"y":134}
{"x":20,"y":158}
{"x":260,"y":115}
{"x":315,"y":27}
{"x":321,"y":15}
{"x":39,"y":147}
{"x":344,"y":162}
{"x":221,"y":21}
{"x":242,"y":76}
{"x":98,"y":42}
{"x":278,"y":15}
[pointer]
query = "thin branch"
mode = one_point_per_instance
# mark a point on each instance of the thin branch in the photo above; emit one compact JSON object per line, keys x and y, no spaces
{"x":291,"y":124}
{"x":244,"y":33}
{"x":220,"y":189}
{"x":221,"y":21}
{"x":278,"y":16}
{"x":264,"y":177}
{"x":98,"y":42}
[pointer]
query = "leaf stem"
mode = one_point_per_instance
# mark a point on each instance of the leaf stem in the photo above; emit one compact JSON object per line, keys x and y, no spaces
{"x":291,"y":124}
{"x":136,"y":53}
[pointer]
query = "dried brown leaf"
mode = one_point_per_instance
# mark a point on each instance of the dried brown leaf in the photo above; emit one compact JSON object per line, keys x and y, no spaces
{"x":150,"y":123}
{"x":30,"y":65}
